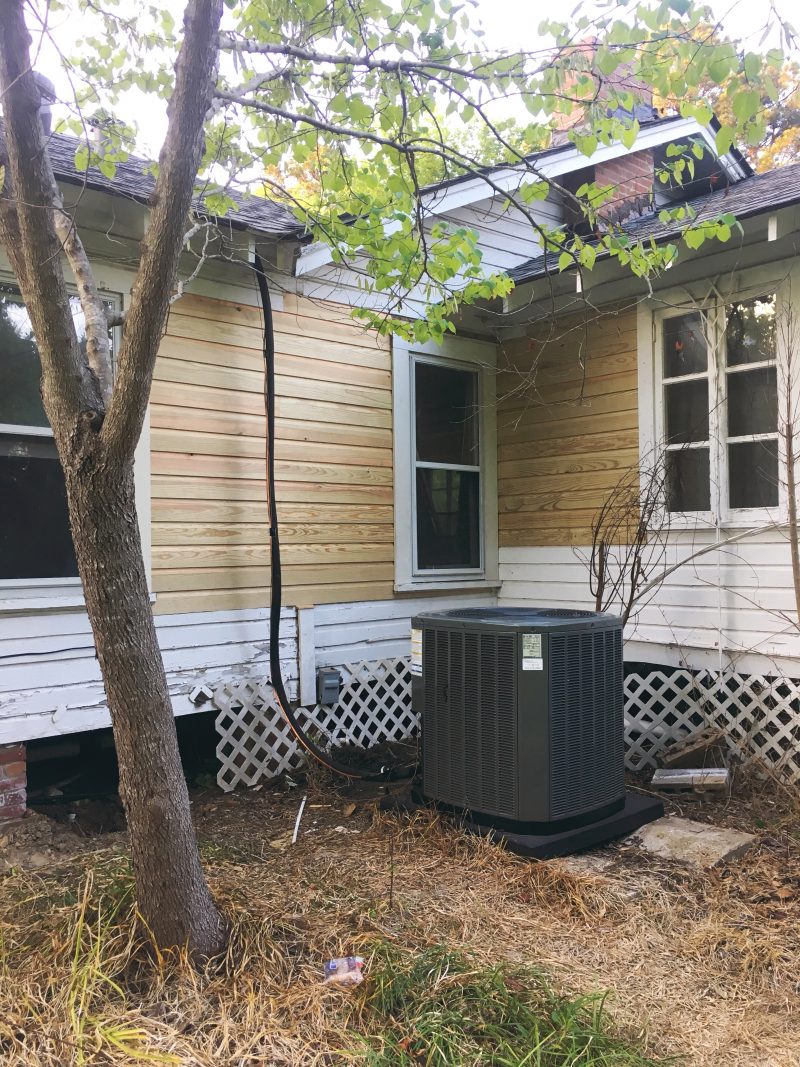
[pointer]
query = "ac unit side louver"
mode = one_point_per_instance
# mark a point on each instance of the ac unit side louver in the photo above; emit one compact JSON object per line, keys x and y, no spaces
{"x":522,"y":728}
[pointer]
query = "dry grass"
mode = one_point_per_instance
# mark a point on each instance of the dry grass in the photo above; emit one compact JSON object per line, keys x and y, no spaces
{"x":702,"y":966}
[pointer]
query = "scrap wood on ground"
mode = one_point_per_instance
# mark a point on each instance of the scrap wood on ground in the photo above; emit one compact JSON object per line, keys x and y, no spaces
{"x":473,"y":956}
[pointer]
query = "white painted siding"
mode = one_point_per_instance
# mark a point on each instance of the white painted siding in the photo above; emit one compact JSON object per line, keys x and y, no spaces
{"x":379,"y":629}
{"x":50,"y":681}
{"x":507,"y":238}
{"x":726,"y":603}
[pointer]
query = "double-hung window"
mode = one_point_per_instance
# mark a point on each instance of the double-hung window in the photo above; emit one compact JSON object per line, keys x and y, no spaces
{"x":35,"y":537}
{"x":447,"y":483}
{"x":445,"y":461}
{"x":720,"y":409}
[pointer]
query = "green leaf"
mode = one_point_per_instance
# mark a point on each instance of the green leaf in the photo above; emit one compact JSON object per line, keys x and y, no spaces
{"x":629,"y":135}
{"x":565,"y":260}
{"x":588,"y":255}
{"x":694,"y":238}
{"x":107,"y":167}
{"x":724,"y":139}
{"x":745,"y":104}
{"x":752,"y":65}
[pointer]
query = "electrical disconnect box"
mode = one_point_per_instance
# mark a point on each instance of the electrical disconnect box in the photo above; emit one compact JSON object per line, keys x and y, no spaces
{"x":329,"y":685}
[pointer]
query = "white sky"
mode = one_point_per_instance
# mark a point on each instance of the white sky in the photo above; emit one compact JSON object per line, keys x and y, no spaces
{"x":509,"y":24}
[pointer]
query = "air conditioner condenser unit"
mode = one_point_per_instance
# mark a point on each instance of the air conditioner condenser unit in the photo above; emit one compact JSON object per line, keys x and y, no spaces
{"x":522,"y":725}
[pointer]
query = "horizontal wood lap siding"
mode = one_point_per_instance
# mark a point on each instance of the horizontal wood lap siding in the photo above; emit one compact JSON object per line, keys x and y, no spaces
{"x":333,"y":458}
{"x":567,"y":426}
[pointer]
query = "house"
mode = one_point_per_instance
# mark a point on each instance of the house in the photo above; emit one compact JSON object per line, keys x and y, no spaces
{"x":391,"y":502}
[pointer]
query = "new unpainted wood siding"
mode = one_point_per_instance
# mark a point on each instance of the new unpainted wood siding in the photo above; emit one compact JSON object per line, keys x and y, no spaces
{"x":567,"y":426}
{"x":333,"y":458}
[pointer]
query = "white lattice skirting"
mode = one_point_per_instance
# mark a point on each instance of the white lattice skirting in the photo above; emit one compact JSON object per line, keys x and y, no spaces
{"x":255,"y":741}
{"x":760,"y":716}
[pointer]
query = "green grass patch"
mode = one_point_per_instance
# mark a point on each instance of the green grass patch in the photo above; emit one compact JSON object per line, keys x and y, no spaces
{"x":442,"y":1008}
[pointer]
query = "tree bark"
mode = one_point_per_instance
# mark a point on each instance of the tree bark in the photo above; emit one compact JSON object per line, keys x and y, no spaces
{"x":171,"y":889}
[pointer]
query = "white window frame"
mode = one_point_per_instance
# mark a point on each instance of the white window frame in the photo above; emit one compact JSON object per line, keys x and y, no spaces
{"x":750,"y":284}
{"x":463,"y":354}
{"x":42,"y":594}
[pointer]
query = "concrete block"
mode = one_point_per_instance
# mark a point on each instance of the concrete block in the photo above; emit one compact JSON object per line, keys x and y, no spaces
{"x":687,"y":841}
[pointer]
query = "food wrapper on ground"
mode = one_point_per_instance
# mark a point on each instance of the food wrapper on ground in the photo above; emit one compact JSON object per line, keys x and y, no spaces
{"x":345,"y":971}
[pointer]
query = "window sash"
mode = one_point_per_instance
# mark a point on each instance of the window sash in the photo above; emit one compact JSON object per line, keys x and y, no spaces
{"x":11,"y":429}
{"x":417,"y":464}
{"x":718,"y":441}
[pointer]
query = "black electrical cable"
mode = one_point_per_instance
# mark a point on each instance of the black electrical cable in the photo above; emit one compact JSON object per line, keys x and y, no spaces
{"x":385,"y":774}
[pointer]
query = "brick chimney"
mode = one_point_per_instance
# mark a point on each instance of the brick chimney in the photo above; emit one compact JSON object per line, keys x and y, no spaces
{"x":622,"y":80}
{"x":631,"y":175}
{"x":632,"y":179}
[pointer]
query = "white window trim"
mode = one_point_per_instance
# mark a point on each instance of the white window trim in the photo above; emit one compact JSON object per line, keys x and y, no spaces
{"x":45,"y":594}
{"x":457,"y":352}
{"x":651,"y":314}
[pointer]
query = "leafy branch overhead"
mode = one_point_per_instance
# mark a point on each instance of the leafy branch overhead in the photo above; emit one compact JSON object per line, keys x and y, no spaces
{"x":381,"y":99}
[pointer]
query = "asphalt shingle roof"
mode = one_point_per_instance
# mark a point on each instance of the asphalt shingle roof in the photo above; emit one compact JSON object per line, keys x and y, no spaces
{"x":748,"y":197}
{"x":132,"y":179}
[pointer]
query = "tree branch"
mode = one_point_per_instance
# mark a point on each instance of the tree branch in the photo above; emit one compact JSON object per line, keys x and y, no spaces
{"x":230,"y":43}
{"x":98,"y":343}
{"x":69,"y":388}
{"x":179,"y":161}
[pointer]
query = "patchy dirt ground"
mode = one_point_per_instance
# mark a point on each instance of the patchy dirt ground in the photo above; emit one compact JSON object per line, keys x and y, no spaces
{"x":706,"y":965}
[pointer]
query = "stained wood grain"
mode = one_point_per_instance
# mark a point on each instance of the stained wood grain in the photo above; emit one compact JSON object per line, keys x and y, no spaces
{"x":333,"y":458}
{"x":567,"y":427}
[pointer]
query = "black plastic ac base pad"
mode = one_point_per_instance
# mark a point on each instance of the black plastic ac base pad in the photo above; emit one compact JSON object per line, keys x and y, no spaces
{"x":638,"y":811}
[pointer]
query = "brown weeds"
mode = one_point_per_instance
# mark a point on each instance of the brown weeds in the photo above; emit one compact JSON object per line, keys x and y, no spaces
{"x":705,"y":965}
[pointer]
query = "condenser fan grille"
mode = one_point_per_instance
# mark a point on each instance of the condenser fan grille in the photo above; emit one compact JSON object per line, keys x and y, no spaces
{"x":470,"y":745}
{"x":586,"y":727}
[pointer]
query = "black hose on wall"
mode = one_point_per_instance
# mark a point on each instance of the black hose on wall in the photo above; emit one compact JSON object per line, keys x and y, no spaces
{"x":276,"y":593}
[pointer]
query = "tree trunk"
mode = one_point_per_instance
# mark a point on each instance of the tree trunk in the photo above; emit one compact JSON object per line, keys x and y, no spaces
{"x":171,"y":890}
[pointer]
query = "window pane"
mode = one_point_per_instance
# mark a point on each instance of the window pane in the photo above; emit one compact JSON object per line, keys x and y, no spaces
{"x":750,"y":330}
{"x":20,"y":371}
{"x":753,"y":474}
{"x":685,"y":350}
{"x":687,"y":411}
{"x":448,"y":519}
{"x":35,"y":538}
{"x":752,"y":402}
{"x":446,"y":404}
{"x":688,"y":480}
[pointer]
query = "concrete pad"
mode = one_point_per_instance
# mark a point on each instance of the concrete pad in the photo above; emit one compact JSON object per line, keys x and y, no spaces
{"x":585,"y":863}
{"x":698,"y":843}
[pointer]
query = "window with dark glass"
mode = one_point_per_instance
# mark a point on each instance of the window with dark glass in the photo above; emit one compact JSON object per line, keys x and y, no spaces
{"x":721,"y":418}
{"x":751,"y":383}
{"x":686,"y":413}
{"x":35,"y":538}
{"x":447,"y":476}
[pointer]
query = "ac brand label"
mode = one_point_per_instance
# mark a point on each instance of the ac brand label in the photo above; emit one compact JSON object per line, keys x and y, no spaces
{"x":532,"y":652}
